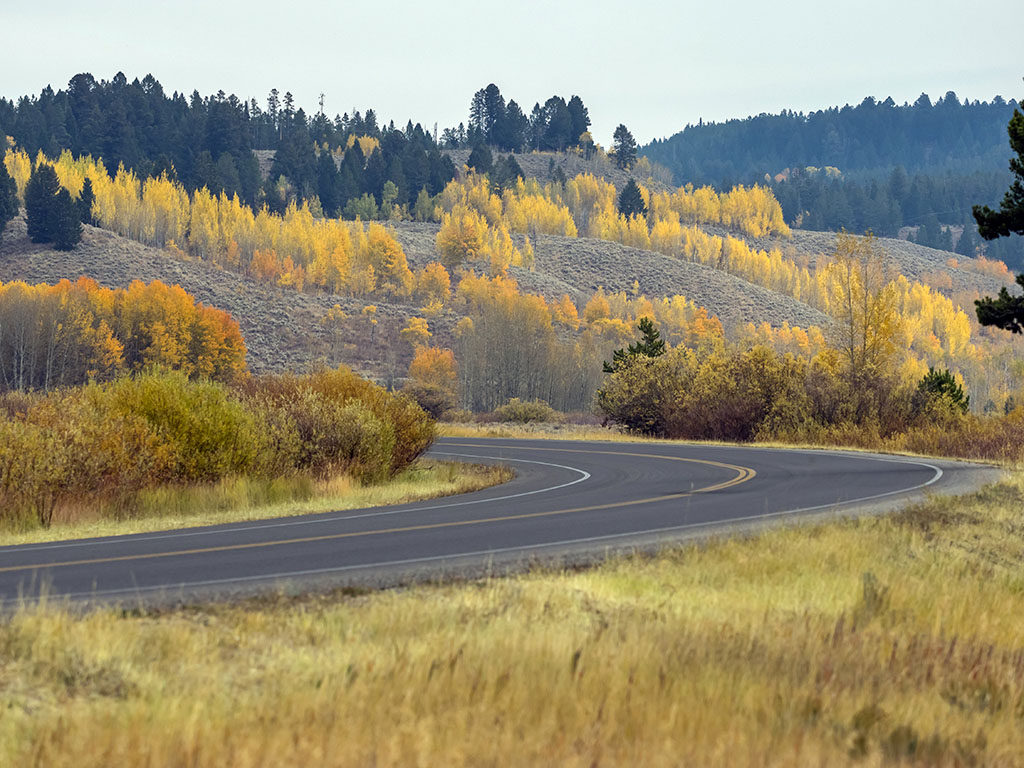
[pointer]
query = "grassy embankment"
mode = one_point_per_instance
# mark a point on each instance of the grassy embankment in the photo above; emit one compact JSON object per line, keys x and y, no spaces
{"x":237,"y":499}
{"x":876,"y":641}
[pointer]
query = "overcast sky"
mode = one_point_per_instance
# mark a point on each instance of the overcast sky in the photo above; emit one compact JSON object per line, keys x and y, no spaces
{"x":654,"y":66}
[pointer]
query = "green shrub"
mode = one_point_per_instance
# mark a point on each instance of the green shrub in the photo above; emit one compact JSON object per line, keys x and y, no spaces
{"x":205,"y":433}
{"x":114,"y":444}
{"x":526,"y":411}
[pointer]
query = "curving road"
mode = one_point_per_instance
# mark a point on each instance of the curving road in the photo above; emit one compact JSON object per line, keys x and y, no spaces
{"x":570,"y":500}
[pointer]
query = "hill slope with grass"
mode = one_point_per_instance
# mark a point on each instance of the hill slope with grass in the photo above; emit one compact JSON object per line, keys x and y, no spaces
{"x":287,"y":329}
{"x":284,"y":329}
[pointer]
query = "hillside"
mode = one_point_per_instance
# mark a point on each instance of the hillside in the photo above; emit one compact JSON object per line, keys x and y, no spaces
{"x":289,"y":330}
{"x":579,"y":266}
{"x":283,"y":328}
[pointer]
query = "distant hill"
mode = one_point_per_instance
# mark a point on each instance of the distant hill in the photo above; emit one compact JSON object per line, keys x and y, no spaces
{"x":912,"y":169}
{"x":862,"y":141}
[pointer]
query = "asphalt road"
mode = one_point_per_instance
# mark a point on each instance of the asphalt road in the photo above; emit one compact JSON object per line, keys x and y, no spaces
{"x":570,"y":500}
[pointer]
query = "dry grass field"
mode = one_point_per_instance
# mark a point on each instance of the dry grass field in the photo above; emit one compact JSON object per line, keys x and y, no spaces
{"x":878,"y":641}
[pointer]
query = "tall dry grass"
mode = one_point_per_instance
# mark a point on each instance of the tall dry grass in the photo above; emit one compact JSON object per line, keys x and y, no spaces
{"x":885,"y":641}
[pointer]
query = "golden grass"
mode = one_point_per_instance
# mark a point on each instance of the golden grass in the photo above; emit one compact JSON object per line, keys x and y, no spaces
{"x":547,"y":431}
{"x":239,"y":499}
{"x":879,"y":641}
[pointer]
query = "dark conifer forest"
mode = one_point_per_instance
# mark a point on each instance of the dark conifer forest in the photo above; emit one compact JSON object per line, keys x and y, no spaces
{"x":877,"y":166}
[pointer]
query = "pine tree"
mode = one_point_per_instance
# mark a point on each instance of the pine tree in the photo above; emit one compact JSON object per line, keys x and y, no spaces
{"x":650,"y":345}
{"x":580,"y":118}
{"x":480,"y":159}
{"x":40,"y":203}
{"x":8,"y":197}
{"x":85,"y":201}
{"x":624,"y":147}
{"x":631,"y":201}
{"x":1010,"y":216}
{"x":1006,"y":311}
{"x":941,"y":386}
{"x":67,"y":222}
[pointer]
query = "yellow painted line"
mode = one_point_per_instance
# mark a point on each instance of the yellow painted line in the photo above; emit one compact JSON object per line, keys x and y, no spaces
{"x":746,"y":473}
{"x":743,"y":474}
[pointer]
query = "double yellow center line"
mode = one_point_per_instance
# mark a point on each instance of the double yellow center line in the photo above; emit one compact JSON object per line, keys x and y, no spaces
{"x":743,"y":474}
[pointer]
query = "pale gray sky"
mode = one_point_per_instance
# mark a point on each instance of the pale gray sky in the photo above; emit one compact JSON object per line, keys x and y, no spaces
{"x":652,"y":65}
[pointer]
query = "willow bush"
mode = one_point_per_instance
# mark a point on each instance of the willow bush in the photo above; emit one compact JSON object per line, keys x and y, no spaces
{"x":109,"y":442}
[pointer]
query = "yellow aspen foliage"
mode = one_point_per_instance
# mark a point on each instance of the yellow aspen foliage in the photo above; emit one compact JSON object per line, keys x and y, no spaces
{"x":19,"y":166}
{"x":433,"y":284}
{"x":501,"y":251}
{"x":476,"y":291}
{"x":433,"y":309}
{"x":292,"y":274}
{"x":535,"y":214}
{"x":367,"y":144}
{"x":384,"y":253}
{"x":597,"y":308}
{"x":416,"y":333}
{"x":462,"y":237}
{"x":564,"y":312}
{"x":329,"y":254}
{"x":526,"y":254}
{"x":434,"y":366}
{"x":364,"y":281}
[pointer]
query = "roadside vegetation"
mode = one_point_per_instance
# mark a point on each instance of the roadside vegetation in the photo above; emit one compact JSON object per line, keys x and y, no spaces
{"x":238,"y":499}
{"x":147,"y":444}
{"x":890,"y":640}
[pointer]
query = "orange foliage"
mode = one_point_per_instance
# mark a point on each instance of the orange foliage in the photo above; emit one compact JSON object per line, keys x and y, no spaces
{"x":68,"y":333}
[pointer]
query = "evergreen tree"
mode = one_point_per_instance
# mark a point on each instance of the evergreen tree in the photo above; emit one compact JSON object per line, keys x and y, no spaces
{"x":8,"y":197}
{"x":940,"y":386}
{"x":631,"y":200}
{"x":85,"y":201}
{"x":624,"y":147}
{"x":67,"y":222}
{"x":1010,"y":216}
{"x":580,"y":118}
{"x":40,"y":203}
{"x":1006,"y":311}
{"x":558,"y":125}
{"x":480,"y":159}
{"x":650,"y":345}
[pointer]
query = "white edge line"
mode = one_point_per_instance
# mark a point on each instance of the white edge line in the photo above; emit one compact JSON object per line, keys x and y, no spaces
{"x":504,"y":550}
{"x":204,"y":530}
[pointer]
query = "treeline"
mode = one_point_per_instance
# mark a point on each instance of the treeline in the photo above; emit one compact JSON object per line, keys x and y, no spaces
{"x":102,"y":445}
{"x":866,"y":140}
{"x":755,"y":393}
{"x":476,"y":223}
{"x":295,"y":249}
{"x":54,"y":336}
{"x":209,"y":142}
{"x":933,"y":204}
{"x":509,"y":344}
{"x":555,"y":126}
{"x":513,"y":345}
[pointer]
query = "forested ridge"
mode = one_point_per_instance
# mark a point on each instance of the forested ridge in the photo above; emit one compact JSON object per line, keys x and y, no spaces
{"x":877,"y":166}
{"x":351,"y":165}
